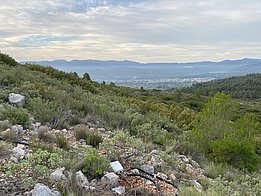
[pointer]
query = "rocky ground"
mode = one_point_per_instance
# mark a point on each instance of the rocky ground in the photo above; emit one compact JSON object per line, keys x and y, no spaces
{"x":137,"y":170}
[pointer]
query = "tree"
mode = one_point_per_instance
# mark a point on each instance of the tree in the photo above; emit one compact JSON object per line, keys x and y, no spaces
{"x":86,"y":76}
{"x":220,"y":135}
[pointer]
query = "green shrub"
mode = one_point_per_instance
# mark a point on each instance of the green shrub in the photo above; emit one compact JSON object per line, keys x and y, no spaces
{"x":222,"y":136}
{"x":36,"y":167}
{"x":7,"y":59}
{"x":44,"y":111}
{"x":93,"y":138}
{"x":213,"y":170}
{"x":15,"y":115}
{"x":62,"y":142}
{"x":95,"y":164}
{"x":4,"y":125}
{"x":241,"y":154}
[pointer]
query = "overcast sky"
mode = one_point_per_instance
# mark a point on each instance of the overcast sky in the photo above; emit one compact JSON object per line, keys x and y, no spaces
{"x":139,"y":30}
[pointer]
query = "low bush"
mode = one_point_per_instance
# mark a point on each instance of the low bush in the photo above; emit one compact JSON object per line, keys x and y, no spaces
{"x":15,"y":115}
{"x":80,"y":132}
{"x":95,"y":164}
{"x":93,"y":138}
{"x":43,"y":134}
{"x":36,"y":167}
{"x":4,"y":125}
{"x":62,"y":142}
{"x":213,"y":170}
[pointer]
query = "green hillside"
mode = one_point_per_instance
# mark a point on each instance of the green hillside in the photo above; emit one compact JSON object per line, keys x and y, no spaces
{"x":242,"y":87}
{"x":211,"y":141}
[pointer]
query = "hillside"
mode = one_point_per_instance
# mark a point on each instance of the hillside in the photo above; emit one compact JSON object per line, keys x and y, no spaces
{"x":61,"y":133}
{"x":242,"y":87}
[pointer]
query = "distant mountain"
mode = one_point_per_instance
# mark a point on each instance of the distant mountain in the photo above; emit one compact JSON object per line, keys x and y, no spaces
{"x":156,"y":75}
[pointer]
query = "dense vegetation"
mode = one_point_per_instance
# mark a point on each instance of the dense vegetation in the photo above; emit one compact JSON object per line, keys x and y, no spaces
{"x":243,"y":87}
{"x":212,"y":129}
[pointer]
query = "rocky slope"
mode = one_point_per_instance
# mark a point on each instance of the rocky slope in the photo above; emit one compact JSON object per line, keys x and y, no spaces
{"x":140,"y":168}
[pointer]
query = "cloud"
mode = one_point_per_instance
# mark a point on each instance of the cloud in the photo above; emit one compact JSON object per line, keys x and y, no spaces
{"x":143,"y":30}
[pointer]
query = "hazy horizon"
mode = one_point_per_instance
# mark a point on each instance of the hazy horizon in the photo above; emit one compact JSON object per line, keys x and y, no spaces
{"x":137,"y":30}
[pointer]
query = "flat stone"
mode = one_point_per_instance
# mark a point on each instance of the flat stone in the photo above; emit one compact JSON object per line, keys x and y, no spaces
{"x":148,"y":168}
{"x":43,"y":190}
{"x":119,"y":190}
{"x":116,"y":166}
{"x":111,"y":179}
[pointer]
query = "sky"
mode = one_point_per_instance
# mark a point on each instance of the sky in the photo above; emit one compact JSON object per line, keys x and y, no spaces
{"x":138,"y":30}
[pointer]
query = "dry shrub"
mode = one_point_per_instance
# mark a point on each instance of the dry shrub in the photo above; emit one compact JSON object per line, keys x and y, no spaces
{"x":80,"y":132}
{"x":43,"y":134}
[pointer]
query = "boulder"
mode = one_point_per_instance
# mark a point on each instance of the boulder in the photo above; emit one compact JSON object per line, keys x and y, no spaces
{"x":58,"y":175}
{"x":81,"y":180}
{"x":148,"y":168}
{"x":43,"y":190}
{"x":16,"y":99}
{"x":110,"y":178}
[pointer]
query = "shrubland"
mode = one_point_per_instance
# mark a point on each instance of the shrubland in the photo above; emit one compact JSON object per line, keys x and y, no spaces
{"x":217,"y":131}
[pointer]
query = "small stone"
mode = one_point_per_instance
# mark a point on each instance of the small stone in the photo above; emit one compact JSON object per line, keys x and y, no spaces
{"x":154,"y":151}
{"x":81,"y":180}
{"x":197,"y":185}
{"x":164,"y":176}
{"x":57,"y":131}
{"x":18,"y":152}
{"x":119,"y":190}
{"x":183,"y":158}
{"x":172,"y":177}
{"x":116,"y":166}
{"x":58,"y":175}
{"x":20,"y":146}
{"x":14,"y":159}
{"x":20,"y":128}
{"x":195,"y":164}
{"x":148,"y":168}
{"x":111,"y":179}
{"x":37,"y":124}
{"x":14,"y":129}
{"x":135,"y":171}
{"x":43,"y":190}
{"x":93,"y":183}
{"x":82,"y":141}
{"x":101,"y":130}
